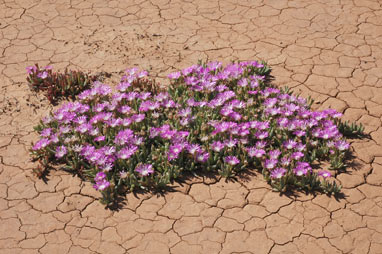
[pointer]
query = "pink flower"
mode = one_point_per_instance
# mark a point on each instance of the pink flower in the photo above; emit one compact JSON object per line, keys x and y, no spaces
{"x":99,"y":176}
{"x":42,"y":143}
{"x":269,"y":164}
{"x":174,"y":75}
{"x":325,"y":174}
{"x":102,"y":185}
{"x":254,"y":152}
{"x":61,"y":151}
{"x":42,"y":75}
{"x":144,"y":169}
{"x":31,"y":69}
{"x":231,"y":160}
{"x":278,"y":173}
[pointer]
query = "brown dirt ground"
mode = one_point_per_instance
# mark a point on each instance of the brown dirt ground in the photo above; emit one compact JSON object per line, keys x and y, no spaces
{"x":329,"y":49}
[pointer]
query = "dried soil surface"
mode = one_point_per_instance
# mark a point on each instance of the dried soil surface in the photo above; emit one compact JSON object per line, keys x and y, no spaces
{"x":329,"y":49}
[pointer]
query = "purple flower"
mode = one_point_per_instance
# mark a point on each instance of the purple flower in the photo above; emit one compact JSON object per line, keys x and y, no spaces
{"x":176,"y":149}
{"x":235,"y":116}
{"x":60,"y":151}
{"x":301,"y":169}
{"x":136,"y":140}
{"x":202,"y":157}
{"x":242,"y":82}
{"x":325,"y":134}
{"x":230,"y":143}
{"x":85,"y":95}
{"x":290,"y":144}
{"x":180,"y":136}
{"x":184,"y":112}
{"x":316,"y":132}
{"x":169,"y":104}
{"x":64,"y":129}
{"x":108,"y":150}
{"x":188,"y":70}
{"x":87,"y":150}
{"x":193,"y":148}
{"x":95,"y":157}
{"x":342,"y":145}
{"x":145,"y":95}
{"x":325,"y":174}
{"x":148,"y":105}
{"x":172,"y":156}
{"x":132,"y":71}
{"x":161,"y":96}
{"x":304,"y":113}
{"x":83,"y":128}
{"x":99,"y":176}
{"x":274,"y":154}
{"x":101,"y":88}
{"x":131,"y":96}
{"x":262,"y":125}
{"x":214,"y":65}
{"x":270,"y":102}
{"x":138,"y":118}
{"x":261,"y":134}
{"x":80,"y":120}
{"x":43,"y":75}
{"x":226,"y":111}
{"x":101,"y":185}
{"x":99,"y":138}
{"x":126,"y":122}
{"x":42,"y":143}
{"x":297,"y":155}
{"x":255,"y":152}
{"x":291,"y":107}
{"x":231,"y":160}
{"x":124,"y":109}
{"x":154,"y":132}
{"x":300,"y":147}
{"x":299,"y":133}
{"x":174,"y":75}
{"x":123,"y":86}
{"x":221,"y":88}
{"x":46,"y":132}
{"x":273,"y":111}
{"x":126,"y":152}
{"x":31,"y":69}
{"x":217,"y":146}
{"x":144,"y":169}
{"x":54,"y":138}
{"x":318,"y":115}
{"x":261,"y":144}
{"x":271,"y":163}
{"x":113,"y":122}
{"x":167,"y":134}
{"x":278,"y":173}
{"x":123,"y":136}
{"x":285,"y":161}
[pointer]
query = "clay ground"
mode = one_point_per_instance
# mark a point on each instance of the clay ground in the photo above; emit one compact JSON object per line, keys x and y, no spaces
{"x":331,"y":50}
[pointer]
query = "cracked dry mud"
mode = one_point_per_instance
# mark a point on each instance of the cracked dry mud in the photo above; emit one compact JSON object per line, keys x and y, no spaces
{"x":329,"y":49}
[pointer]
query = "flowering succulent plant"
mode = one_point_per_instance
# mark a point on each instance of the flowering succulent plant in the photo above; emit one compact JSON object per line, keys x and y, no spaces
{"x":57,"y":85}
{"x":211,"y":117}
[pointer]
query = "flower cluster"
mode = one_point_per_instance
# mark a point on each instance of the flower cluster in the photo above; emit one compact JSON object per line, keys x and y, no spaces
{"x":57,"y":85}
{"x":215,"y":118}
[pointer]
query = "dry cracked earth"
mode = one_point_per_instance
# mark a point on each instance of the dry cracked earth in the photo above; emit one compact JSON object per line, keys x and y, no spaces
{"x":328,"y":49}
